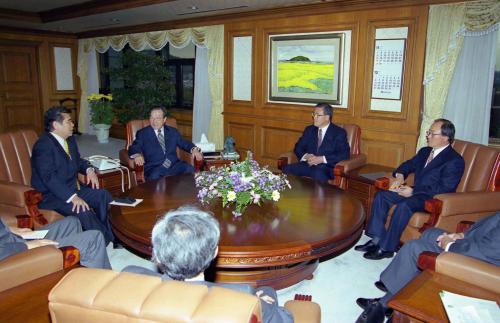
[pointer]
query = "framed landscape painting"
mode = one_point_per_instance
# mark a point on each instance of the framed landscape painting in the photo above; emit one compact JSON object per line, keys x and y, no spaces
{"x":306,"y":68}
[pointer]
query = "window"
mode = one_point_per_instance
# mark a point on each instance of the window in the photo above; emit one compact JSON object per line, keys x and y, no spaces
{"x":495,"y":103}
{"x":179,"y":61}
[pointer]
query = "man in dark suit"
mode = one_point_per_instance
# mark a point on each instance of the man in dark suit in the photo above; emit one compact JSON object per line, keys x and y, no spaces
{"x":64,"y":232}
{"x":320,"y":147}
{"x":185,"y":242}
{"x":438,"y":169}
{"x":481,"y":241}
{"x":55,"y":164}
{"x":155,"y":147}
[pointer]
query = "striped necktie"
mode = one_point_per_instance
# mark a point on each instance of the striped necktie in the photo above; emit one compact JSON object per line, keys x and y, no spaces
{"x":161,"y":139}
{"x":66,"y":149}
{"x":320,"y":138}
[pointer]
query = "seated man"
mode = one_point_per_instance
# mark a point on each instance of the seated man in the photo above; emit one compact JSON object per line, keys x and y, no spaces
{"x":481,"y":241}
{"x":55,"y":163}
{"x":64,"y":232}
{"x":320,"y":147}
{"x":185,"y":241}
{"x":438,"y":169}
{"x":155,"y":147}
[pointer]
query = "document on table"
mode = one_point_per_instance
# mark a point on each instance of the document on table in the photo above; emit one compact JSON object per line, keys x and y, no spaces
{"x":464,"y":309}
{"x":137,"y":201}
{"x":34,"y":235}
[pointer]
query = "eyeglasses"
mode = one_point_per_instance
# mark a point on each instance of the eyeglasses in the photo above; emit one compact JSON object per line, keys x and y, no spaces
{"x":429,"y":133}
{"x":314,"y":114}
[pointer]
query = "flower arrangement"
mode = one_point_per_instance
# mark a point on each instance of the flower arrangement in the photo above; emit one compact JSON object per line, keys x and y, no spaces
{"x":101,"y":109}
{"x":240,"y":183}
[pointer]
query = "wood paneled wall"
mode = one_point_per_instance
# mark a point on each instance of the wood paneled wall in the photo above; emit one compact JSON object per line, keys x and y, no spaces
{"x":44,"y":43}
{"x":269,"y":129}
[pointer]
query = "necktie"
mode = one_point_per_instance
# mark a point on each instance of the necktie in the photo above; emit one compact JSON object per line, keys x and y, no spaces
{"x":430,"y":158}
{"x":320,"y":138}
{"x":66,"y":149}
{"x":161,"y":140}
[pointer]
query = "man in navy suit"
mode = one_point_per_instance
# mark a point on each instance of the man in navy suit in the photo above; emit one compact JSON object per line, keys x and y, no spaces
{"x":481,"y":241}
{"x":155,"y":147}
{"x":55,"y":164}
{"x":438,"y":169}
{"x":320,"y":147}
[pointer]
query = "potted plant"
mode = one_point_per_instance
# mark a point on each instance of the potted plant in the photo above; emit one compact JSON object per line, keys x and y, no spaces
{"x":101,"y":114}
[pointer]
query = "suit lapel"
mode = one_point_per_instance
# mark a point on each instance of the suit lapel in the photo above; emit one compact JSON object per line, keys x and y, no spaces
{"x":59,"y":147}
{"x":326,"y":137}
{"x":439,"y":160}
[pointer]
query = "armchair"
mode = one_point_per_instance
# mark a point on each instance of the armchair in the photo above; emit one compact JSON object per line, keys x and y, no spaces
{"x":132,"y":127}
{"x":15,"y":175}
{"x":105,"y":295}
{"x":357,"y":159}
{"x":35,"y":263}
{"x":477,"y":195}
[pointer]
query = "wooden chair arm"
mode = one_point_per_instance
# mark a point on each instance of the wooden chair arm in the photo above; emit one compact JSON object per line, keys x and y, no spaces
{"x":32,"y":198}
{"x":382,"y":183}
{"x":71,"y":257}
{"x":464,"y":225}
{"x":427,"y":260}
{"x":282,"y":162}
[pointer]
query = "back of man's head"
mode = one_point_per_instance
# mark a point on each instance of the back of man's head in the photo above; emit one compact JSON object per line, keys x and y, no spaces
{"x":185,"y":242}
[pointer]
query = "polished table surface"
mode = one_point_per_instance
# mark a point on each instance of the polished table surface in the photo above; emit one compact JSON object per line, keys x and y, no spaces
{"x":277,"y":243}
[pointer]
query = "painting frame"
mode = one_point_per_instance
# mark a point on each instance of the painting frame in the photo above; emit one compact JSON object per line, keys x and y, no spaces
{"x":321,"y":55}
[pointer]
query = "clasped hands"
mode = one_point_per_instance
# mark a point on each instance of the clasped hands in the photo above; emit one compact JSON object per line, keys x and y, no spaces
{"x":312,"y":160}
{"x":397,"y":184}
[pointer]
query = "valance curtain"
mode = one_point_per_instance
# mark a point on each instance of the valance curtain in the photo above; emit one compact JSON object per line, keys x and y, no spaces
{"x":447,"y":25}
{"x":210,"y":37}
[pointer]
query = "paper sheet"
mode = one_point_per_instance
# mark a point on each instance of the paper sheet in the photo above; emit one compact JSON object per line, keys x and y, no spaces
{"x":34,"y":235}
{"x":137,"y":201}
{"x":464,"y":309}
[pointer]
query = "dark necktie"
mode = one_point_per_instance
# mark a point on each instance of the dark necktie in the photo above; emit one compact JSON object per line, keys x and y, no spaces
{"x":320,"y":138}
{"x":430,"y":158}
{"x":161,"y":139}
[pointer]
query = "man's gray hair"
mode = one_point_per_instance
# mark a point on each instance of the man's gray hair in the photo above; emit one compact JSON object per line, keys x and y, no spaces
{"x":184,"y":242}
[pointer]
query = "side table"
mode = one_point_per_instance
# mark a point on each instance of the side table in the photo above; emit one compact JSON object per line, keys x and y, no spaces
{"x":215,"y":160}
{"x":419,"y":301}
{"x":117,"y":180}
{"x":362,"y":187}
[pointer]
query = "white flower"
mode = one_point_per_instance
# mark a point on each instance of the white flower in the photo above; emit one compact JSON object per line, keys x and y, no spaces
{"x":247,"y":179}
{"x":275,"y":195}
{"x":231,"y":196}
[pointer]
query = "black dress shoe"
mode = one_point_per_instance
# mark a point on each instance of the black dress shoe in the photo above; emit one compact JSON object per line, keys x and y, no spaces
{"x":381,"y":286}
{"x":378,"y":254}
{"x":373,"y":314}
{"x":117,"y":245}
{"x":367,"y":247}
{"x":364,"y":303}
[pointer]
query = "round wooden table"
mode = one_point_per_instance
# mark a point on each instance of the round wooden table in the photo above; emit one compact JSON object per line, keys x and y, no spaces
{"x":276,"y":244}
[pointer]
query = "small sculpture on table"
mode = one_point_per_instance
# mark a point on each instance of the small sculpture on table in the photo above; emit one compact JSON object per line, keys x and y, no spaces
{"x":229,"y":151}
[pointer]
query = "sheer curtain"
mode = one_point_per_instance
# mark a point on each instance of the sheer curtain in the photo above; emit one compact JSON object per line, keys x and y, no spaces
{"x":469,"y":99}
{"x":210,"y":38}
{"x":202,"y":107}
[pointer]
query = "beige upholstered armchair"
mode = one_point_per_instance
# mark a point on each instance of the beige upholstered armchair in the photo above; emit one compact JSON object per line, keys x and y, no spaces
{"x":477,"y":195}
{"x":132,"y":127}
{"x":109,"y":296}
{"x":356,"y":160}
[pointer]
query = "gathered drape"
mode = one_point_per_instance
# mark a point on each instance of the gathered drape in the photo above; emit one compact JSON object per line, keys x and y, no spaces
{"x":211,"y":37}
{"x":447,"y":25}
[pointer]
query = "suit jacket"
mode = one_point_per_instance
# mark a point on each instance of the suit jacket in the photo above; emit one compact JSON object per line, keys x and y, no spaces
{"x":481,"y":241}
{"x":271,"y":313}
{"x":442,"y":175}
{"x":53,"y":172}
{"x":334,"y":145}
{"x":146,"y":143}
{"x":10,"y":243}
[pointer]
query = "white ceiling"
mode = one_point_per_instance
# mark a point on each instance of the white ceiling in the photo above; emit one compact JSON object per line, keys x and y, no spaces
{"x":174,"y":10}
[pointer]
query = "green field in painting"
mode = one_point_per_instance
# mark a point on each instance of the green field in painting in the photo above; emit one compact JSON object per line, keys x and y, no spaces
{"x":305,"y":77}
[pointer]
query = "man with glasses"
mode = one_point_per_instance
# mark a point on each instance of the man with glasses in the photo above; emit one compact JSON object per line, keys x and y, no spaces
{"x":438,"y":169}
{"x":155,"y":147}
{"x":320,"y":147}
